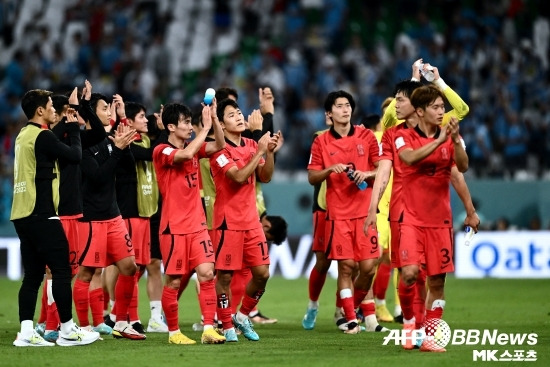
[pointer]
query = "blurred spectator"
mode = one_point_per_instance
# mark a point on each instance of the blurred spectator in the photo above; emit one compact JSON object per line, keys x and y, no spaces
{"x":495,"y":54}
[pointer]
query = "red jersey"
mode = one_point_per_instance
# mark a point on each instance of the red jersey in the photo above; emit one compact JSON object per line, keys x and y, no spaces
{"x":426,"y":194}
{"x":182,"y":210}
{"x":388,"y":151}
{"x":235,"y":203}
{"x":360,"y":150}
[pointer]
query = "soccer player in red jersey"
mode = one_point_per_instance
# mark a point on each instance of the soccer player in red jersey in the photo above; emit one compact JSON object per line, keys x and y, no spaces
{"x":184,"y":240}
{"x":426,"y":226}
{"x":412,"y":297}
{"x":343,"y":147}
{"x":239,"y":238}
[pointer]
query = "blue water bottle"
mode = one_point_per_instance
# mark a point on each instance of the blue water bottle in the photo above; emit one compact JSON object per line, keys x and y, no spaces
{"x":209,"y":96}
{"x":361,"y":186}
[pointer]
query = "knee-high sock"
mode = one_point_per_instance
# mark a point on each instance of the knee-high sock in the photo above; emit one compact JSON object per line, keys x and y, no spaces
{"x":238,"y":287}
{"x":223,"y":309}
{"x":44,"y":304}
{"x":347,"y":304}
{"x":315,"y":284}
{"x":81,"y":301}
{"x":358,"y":297}
{"x":169,"y":301}
{"x":419,"y":303}
{"x":96,"y":305}
{"x":133,"y":307}
{"x":406,"y":297}
{"x":381,"y":281}
{"x":124,"y":289}
{"x":207,"y":301}
{"x":52,"y":318}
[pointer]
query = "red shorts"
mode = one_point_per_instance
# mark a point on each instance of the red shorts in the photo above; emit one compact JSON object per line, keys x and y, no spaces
{"x":319,"y":224}
{"x":432,"y":247}
{"x":395,"y":237}
{"x":236,"y":250}
{"x":104,"y":242}
{"x":139,"y":230}
{"x":71,"y":227}
{"x":182,"y":253}
{"x":346,"y":240}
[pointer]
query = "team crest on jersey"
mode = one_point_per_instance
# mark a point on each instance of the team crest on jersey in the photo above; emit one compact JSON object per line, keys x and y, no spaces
{"x":179,"y":264}
{"x":360,"y":150}
{"x":444,"y":153}
{"x":339,"y":250}
{"x":195,"y":162}
{"x":96,"y":258}
{"x":404,"y":255}
{"x":228,"y":259}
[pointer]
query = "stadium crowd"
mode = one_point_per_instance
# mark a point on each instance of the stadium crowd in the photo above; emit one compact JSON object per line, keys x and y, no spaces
{"x":493,"y":53}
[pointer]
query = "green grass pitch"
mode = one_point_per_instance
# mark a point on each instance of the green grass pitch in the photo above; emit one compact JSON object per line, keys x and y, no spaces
{"x":511,"y":306}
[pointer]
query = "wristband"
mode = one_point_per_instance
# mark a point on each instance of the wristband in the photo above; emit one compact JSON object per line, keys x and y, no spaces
{"x":440,"y":83}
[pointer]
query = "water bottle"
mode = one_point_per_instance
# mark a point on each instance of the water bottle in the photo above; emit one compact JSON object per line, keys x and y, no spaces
{"x":427,"y":74}
{"x":362,"y":186}
{"x":469,"y":235}
{"x":209,"y":96}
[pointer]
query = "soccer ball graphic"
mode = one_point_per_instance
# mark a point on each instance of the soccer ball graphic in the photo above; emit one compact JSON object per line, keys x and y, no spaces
{"x":437,"y":332}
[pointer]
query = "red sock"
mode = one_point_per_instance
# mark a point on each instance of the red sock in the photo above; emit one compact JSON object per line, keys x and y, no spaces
{"x":238,"y":287}
{"x":133,"y":307}
{"x":183,"y":283}
{"x":381,"y":281}
{"x":124,"y":289}
{"x":223,"y":309}
{"x":434,"y":314}
{"x":96,"y":305}
{"x":358,"y":297}
{"x":419,"y":303}
{"x":169,"y":301}
{"x":338,"y":299}
{"x":349,"y":311}
{"x":52,"y":320}
{"x":81,"y":301}
{"x":207,"y":301}
{"x":44,"y":303}
{"x":250,"y":302}
{"x":367,"y":308}
{"x":406,"y":298}
{"x":315,"y":284}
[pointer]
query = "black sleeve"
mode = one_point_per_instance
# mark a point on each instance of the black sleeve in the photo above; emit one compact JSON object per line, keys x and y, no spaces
{"x":256,"y":135}
{"x":100,"y":171}
{"x":55,"y":149}
{"x":97,"y":132}
{"x":60,"y":129}
{"x":140,"y":153}
{"x":268,"y":123}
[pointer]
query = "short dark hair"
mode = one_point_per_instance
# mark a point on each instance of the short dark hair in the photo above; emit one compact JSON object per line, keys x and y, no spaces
{"x":424,"y":96}
{"x":96,"y":97}
{"x":59,"y":102}
{"x":333,"y":96}
{"x":171,"y":113}
{"x":278,"y":230}
{"x":33,"y":99}
{"x":222,"y":105}
{"x":133,"y":108}
{"x":224,"y":92}
{"x":370,"y":121}
{"x":406,"y":87}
